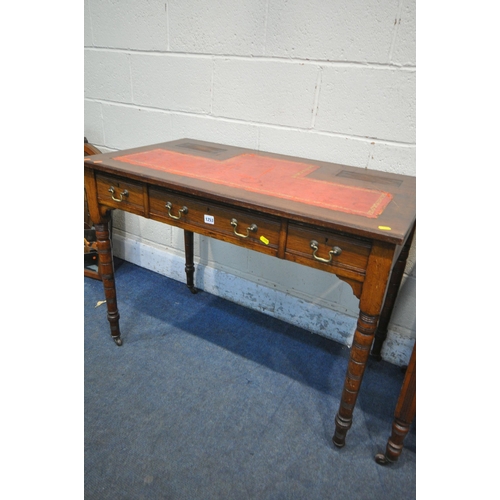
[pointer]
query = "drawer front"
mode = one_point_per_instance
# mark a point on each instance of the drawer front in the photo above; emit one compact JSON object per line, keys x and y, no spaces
{"x":326,"y":250}
{"x":218,"y":221}
{"x":119,"y":193}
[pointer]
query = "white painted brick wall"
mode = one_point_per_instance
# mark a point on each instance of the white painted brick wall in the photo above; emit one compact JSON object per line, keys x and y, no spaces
{"x":107,"y":76}
{"x":131,"y":126}
{"x":368,"y":102}
{"x":173,"y":82}
{"x":333,"y":81}
{"x":341,"y":30}
{"x":265,"y":91}
{"x":223,"y":27}
{"x":127,"y":24}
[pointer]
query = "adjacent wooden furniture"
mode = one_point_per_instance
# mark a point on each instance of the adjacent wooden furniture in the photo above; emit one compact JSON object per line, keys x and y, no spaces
{"x":404,"y":414}
{"x":351,"y":222}
{"x":89,"y":149}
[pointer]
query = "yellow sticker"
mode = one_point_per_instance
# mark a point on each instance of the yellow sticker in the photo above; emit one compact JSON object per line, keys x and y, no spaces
{"x":384,"y":228}
{"x":264,"y":240}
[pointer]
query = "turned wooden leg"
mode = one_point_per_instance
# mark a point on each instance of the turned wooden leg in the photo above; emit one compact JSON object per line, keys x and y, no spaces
{"x":108,"y":278}
{"x":360,"y":352}
{"x":403,"y":416}
{"x":189,"y":251}
{"x":370,"y":306}
{"x":390,"y":298}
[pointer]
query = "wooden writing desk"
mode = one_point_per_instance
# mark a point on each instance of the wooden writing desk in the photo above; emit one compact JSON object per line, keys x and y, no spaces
{"x":354,"y":223}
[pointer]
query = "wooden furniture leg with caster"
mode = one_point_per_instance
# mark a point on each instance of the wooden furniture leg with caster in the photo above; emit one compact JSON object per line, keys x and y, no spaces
{"x":403,"y":416}
{"x":108,"y":278}
{"x":370,"y":304}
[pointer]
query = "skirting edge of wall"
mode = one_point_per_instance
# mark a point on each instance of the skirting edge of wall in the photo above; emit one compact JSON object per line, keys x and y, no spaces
{"x":278,"y":304}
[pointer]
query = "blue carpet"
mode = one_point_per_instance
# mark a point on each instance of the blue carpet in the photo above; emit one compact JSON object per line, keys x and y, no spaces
{"x":210,"y":400}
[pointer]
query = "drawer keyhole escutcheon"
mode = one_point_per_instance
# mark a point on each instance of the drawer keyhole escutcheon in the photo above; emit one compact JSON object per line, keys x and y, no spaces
{"x":183,"y":210}
{"x":252,"y":228}
{"x":334,"y":251}
{"x":123,"y":194}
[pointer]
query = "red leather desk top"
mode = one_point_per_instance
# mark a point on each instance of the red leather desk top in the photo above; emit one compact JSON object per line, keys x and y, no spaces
{"x":364,"y":202}
{"x":265,"y":175}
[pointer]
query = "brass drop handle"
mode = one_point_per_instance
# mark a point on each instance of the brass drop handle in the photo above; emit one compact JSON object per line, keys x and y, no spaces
{"x":334,"y":251}
{"x":124,"y":193}
{"x":252,"y":228}
{"x":183,"y":210}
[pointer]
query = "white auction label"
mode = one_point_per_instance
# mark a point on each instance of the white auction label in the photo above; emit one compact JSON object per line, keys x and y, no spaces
{"x":209,"y":219}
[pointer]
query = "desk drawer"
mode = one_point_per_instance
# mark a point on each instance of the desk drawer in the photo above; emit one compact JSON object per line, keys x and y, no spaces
{"x":237,"y":226}
{"x":119,"y":193}
{"x":323,"y":249}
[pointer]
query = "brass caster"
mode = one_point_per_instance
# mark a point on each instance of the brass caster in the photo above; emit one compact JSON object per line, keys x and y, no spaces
{"x":338,"y":444}
{"x":382,"y":459}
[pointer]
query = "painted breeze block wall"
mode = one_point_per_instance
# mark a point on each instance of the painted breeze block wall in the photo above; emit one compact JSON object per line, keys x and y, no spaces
{"x":333,"y":81}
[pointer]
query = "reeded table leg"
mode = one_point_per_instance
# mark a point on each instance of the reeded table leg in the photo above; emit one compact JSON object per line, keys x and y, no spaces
{"x":108,"y":278}
{"x":189,"y":251}
{"x":403,"y":416}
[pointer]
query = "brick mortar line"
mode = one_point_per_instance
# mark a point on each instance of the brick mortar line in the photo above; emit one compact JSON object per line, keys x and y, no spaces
{"x":264,"y":124}
{"x":323,"y":62}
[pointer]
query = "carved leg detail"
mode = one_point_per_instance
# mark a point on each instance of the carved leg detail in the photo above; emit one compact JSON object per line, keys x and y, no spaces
{"x":403,"y":416}
{"x":108,"y":279}
{"x":395,"y":443}
{"x":360,"y":352}
{"x":189,"y":251}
